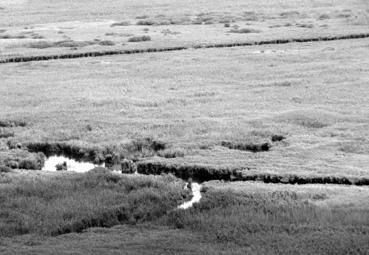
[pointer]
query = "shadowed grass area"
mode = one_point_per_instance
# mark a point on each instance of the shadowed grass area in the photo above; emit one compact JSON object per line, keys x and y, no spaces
{"x":53,"y":205}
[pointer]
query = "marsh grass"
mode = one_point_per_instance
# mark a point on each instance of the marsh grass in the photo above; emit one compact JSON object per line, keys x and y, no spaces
{"x":280,"y":222}
{"x":53,"y":205}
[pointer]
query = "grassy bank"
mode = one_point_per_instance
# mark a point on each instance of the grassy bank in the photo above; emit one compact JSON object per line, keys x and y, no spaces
{"x":203,"y":173}
{"x":236,"y":218}
{"x":276,"y":223}
{"x":53,"y":204}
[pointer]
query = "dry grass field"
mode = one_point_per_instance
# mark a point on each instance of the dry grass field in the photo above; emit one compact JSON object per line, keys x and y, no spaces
{"x":274,"y":113}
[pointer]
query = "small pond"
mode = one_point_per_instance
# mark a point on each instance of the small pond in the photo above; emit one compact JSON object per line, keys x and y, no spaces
{"x":72,"y":165}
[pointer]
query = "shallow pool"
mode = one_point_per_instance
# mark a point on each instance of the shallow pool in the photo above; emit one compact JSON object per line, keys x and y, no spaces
{"x":72,"y":165}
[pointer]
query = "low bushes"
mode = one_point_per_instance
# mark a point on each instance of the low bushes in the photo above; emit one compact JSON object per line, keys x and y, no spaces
{"x":20,"y":159}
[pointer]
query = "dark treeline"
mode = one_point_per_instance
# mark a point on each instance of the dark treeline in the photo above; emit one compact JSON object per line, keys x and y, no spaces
{"x":197,"y":46}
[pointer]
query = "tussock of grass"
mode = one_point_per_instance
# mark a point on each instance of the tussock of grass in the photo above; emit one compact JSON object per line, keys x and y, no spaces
{"x":118,"y":24}
{"x":171,"y":153}
{"x":303,"y":25}
{"x":106,"y":43}
{"x":278,"y":138}
{"x":146,"y":22}
{"x":142,"y":17}
{"x":289,"y":14}
{"x":311,"y":119}
{"x":324,"y":16}
{"x":354,"y":147}
{"x":244,"y":30}
{"x":56,"y":205}
{"x":142,"y":38}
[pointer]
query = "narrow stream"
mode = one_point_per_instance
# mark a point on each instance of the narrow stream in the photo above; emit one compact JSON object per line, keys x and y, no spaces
{"x":82,"y":167}
{"x":196,"y":196}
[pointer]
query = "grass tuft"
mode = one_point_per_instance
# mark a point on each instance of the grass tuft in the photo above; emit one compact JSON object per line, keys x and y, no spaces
{"x":244,"y":30}
{"x":142,"y":38}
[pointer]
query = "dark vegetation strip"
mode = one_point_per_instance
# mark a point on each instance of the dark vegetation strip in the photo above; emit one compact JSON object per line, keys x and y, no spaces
{"x":203,"y":173}
{"x":198,"y":46}
{"x":98,"y":154}
{"x":247,"y":146}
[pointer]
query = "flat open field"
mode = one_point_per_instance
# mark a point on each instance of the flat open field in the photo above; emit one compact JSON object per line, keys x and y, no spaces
{"x":292,"y":108}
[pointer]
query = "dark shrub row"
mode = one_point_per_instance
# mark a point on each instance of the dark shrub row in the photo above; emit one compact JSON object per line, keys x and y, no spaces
{"x":247,"y":146}
{"x":197,"y":172}
{"x":6,"y":133}
{"x":206,"y":173}
{"x":12,"y":123}
{"x":137,"y":148}
{"x":198,"y":46}
{"x":296,"y":179}
{"x":69,"y":150}
{"x":87,"y":54}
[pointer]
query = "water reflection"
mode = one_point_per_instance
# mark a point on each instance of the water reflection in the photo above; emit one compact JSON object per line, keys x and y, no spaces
{"x":52,"y":162}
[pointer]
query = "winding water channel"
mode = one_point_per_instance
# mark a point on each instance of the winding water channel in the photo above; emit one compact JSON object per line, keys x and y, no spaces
{"x":82,"y":167}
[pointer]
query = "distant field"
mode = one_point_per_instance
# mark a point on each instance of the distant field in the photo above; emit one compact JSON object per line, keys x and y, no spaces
{"x":55,"y":27}
{"x":314,"y":94}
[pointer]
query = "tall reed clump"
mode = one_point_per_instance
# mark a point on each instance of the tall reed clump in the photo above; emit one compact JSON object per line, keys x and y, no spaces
{"x":53,"y":205}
